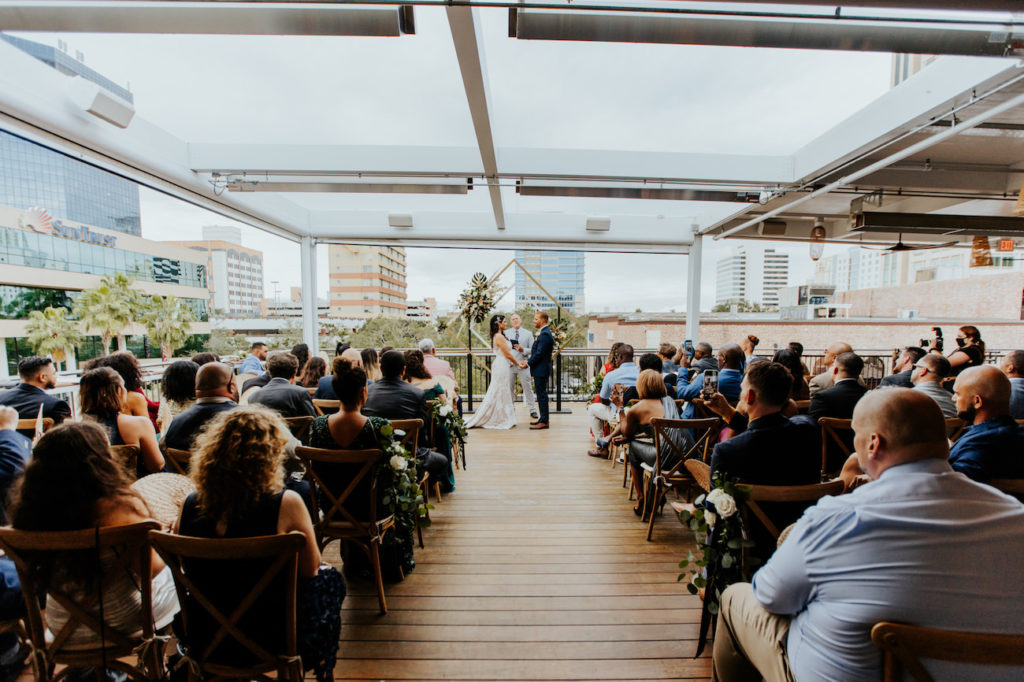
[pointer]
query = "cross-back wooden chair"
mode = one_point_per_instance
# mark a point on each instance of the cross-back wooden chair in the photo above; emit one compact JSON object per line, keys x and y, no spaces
{"x":802,"y":406}
{"x":129,"y":551}
{"x":128,"y":457}
{"x":955,"y":428}
{"x":200,"y":605}
{"x":324,"y":406}
{"x":657,"y":479}
{"x":902,"y":645}
{"x":701,"y":473}
{"x":787,"y":493}
{"x":337,"y":522}
{"x":299,"y":426}
{"x":30,"y":424}
{"x":312,"y":390}
{"x":834,"y":447}
{"x":411,"y":429}
{"x":178,"y":461}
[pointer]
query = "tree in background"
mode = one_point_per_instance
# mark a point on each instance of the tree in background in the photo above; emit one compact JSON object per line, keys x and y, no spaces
{"x":50,"y":332}
{"x":742,"y":306}
{"x":392,"y":331}
{"x":225,"y":342}
{"x":36,"y":299}
{"x":168,"y":323}
{"x":109,"y":308}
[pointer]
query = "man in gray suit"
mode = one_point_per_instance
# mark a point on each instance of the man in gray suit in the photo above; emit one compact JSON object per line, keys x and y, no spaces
{"x":280,"y":393}
{"x":522,"y":342}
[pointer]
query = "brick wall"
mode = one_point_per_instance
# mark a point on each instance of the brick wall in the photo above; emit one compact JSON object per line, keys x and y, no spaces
{"x":993,"y":297}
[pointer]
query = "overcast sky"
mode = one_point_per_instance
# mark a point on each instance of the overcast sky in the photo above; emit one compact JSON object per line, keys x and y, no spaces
{"x":408,"y":91}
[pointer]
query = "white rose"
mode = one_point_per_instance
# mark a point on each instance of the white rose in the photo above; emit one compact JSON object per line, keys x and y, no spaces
{"x":399,"y":463}
{"x":723,"y":502}
{"x":444,"y":410}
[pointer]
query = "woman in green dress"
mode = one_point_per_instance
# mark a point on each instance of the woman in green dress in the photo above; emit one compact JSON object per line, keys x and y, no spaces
{"x":433,"y":389}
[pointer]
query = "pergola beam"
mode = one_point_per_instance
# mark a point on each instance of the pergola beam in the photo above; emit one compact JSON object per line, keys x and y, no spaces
{"x":465,"y":36}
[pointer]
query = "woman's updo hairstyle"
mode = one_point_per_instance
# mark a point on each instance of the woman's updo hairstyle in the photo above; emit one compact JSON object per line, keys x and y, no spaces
{"x":348,"y":382}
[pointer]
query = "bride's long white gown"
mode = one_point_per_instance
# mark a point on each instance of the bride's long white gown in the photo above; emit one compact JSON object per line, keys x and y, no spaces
{"x":497,"y":411}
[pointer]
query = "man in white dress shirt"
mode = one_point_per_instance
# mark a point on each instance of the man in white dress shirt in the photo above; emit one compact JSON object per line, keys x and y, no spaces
{"x":522,"y":342}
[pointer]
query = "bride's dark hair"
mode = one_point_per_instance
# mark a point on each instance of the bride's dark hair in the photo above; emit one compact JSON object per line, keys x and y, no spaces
{"x":495,"y":328}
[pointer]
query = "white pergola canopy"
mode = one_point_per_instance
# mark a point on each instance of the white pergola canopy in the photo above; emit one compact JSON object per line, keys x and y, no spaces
{"x":948,"y":141}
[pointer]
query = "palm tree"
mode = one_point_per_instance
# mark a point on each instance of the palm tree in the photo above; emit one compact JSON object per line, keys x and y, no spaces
{"x":109,"y":307}
{"x":50,"y":332}
{"x":168,"y":322}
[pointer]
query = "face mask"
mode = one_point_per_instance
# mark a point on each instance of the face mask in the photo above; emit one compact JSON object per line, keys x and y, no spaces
{"x":961,"y":342}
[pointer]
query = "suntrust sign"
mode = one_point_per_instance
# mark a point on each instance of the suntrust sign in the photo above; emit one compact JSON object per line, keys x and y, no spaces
{"x":40,"y":220}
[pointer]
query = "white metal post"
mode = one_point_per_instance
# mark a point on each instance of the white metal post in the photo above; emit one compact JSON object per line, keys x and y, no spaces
{"x":693,"y":263}
{"x":310,"y":328}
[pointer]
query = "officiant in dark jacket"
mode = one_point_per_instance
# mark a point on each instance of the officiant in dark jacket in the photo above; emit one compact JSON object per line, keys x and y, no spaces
{"x":540,"y":366}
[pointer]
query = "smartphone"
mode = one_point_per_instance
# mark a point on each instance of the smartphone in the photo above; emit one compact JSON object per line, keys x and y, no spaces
{"x":710,"y":384}
{"x":688,"y":347}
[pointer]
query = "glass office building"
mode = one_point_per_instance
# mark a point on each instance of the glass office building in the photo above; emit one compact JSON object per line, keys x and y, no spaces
{"x":561,"y":273}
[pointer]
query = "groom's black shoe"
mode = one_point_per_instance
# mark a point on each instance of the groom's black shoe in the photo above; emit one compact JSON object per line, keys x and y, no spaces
{"x":538,"y":425}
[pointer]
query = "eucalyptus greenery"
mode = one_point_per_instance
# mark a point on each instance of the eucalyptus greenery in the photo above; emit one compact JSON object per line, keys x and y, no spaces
{"x":401,"y":494}
{"x":717,"y":521}
{"x":445,"y":417}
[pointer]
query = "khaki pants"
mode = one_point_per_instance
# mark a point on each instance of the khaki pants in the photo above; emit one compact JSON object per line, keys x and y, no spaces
{"x":750,"y":643}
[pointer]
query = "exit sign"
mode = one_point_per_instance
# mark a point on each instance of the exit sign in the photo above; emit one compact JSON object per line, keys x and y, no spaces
{"x":1006,"y":245}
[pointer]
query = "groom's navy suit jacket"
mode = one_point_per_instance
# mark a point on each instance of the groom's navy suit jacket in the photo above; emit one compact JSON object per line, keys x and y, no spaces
{"x":540,"y":356}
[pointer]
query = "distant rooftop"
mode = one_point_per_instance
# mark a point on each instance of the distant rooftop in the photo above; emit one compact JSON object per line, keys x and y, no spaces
{"x":66,"y":64}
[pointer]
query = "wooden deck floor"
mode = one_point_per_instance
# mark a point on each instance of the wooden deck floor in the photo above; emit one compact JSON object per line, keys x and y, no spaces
{"x":535,"y":569}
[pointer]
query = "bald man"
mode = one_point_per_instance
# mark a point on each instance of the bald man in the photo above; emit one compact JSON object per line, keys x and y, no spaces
{"x":927,"y":378}
{"x":918,"y":544}
{"x":992,"y":446}
{"x":825,"y":379}
{"x":1012,"y":366}
{"x":215,"y":393}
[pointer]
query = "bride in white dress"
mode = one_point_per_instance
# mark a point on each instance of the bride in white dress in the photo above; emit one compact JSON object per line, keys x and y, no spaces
{"x":497,"y":411}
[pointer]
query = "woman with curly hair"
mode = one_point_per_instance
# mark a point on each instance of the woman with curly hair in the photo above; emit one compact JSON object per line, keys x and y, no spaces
{"x":349,"y":429}
{"x":178,"y":391}
{"x":312,"y":372}
{"x":102,"y":395}
{"x":136,"y":402}
{"x":71,"y":483}
{"x":238,"y":469}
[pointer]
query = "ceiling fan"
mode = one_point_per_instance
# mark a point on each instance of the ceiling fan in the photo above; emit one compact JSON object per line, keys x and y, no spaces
{"x":900,"y":247}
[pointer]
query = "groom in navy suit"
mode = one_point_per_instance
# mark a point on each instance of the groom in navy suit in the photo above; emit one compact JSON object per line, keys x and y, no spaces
{"x":540,"y":366}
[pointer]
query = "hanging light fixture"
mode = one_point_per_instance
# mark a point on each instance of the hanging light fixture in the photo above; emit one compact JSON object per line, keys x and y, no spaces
{"x":817,"y":239}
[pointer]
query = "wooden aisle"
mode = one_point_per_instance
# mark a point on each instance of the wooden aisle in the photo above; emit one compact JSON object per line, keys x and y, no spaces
{"x":534,"y":569}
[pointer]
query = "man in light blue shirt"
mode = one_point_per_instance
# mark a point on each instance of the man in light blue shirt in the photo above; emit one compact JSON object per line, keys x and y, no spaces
{"x":605,"y":412}
{"x":1013,"y":367}
{"x":253,"y":363}
{"x":919,"y":544}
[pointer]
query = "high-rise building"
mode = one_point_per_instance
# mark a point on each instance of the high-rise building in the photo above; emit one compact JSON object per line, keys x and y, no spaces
{"x":235,"y":272}
{"x":367,"y":281}
{"x":560,"y":272}
{"x":423,"y":311}
{"x":752,"y":274}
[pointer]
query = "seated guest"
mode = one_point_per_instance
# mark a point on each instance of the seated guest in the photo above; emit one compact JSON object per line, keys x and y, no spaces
{"x":136,"y":403}
{"x":839,"y":400}
{"x":435,"y":365}
{"x":655,"y":403}
{"x":927,"y":377}
{"x":903,"y":367}
{"x":647,"y":361}
{"x":351,"y":428}
{"x":441,"y":387}
{"x":791,"y":361}
{"x":71,"y":483}
{"x":730,"y":359}
{"x":301,"y":353}
{"x":748,"y":345}
{"x":394,"y":398}
{"x":281,"y":394}
{"x":15,"y":450}
{"x":250,"y":385}
{"x":215,"y":393}
{"x":203,"y":358}
{"x":229,"y":505}
{"x":885,"y":552}
{"x":605,"y":412}
{"x":37,"y":375}
{"x":314,"y":370}
{"x":666,"y":352}
{"x":824,"y":380}
{"x":371,"y":364}
{"x":325,"y":389}
{"x":970,"y":350}
{"x":102,"y":395}
{"x":992,"y":445}
{"x":1013,"y":367}
{"x":253,"y":363}
{"x":177,"y":391}
{"x":798,"y":348}
{"x":703,"y":359}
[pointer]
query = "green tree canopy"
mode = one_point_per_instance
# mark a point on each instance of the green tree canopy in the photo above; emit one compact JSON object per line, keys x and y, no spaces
{"x":110,"y":307}
{"x":392,"y":331}
{"x":168,"y":322}
{"x":50,"y":332}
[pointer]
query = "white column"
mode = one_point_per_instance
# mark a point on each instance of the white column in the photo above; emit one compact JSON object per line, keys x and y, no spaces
{"x":4,"y":372}
{"x":310,"y":329}
{"x":693,"y":263}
